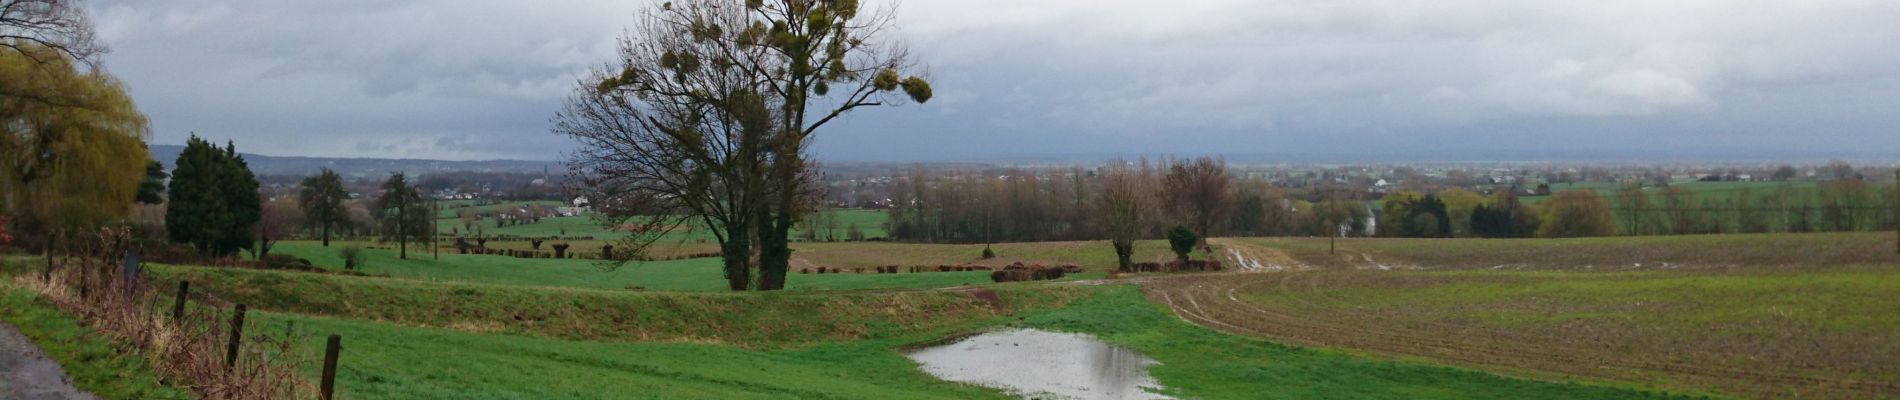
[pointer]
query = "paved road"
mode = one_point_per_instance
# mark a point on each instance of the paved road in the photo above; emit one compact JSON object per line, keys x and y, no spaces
{"x":26,"y":373}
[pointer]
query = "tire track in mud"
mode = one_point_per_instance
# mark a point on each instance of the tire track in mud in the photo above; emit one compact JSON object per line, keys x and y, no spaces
{"x":1214,"y":301}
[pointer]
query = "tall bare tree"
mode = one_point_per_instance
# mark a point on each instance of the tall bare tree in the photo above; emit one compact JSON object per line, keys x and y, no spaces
{"x":826,"y":58}
{"x":1127,"y":205}
{"x":707,"y":116}
{"x":1635,"y":205}
{"x":59,"y":25}
{"x":274,"y":222}
{"x":675,"y":133}
{"x":1197,"y":192}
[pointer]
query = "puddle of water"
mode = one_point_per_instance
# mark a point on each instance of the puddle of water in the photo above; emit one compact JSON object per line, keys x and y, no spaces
{"x":1042,"y":364}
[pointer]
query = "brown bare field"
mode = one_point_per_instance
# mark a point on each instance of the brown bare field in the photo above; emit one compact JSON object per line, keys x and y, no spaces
{"x":1727,"y":315}
{"x":1601,"y":253}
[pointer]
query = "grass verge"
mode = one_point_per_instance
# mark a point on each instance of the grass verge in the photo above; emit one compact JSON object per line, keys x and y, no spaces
{"x":94,"y":363}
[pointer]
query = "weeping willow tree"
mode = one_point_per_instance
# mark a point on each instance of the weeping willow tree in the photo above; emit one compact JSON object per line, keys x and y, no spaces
{"x":72,"y":150}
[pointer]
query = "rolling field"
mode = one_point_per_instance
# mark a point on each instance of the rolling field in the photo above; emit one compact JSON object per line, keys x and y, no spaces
{"x":452,"y":208}
{"x":1703,"y":190}
{"x":393,"y":362}
{"x":1755,"y":316}
{"x":688,"y":275}
{"x":1759,"y":316}
{"x":705,"y":275}
{"x":1768,"y":250}
{"x":1096,"y":256}
{"x":406,"y":358}
{"x":1760,"y":335}
{"x":871,"y":222}
{"x":753,"y":320}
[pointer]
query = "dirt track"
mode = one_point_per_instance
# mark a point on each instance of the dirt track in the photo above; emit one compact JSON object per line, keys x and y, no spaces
{"x":1216,"y":301}
{"x":26,"y":373}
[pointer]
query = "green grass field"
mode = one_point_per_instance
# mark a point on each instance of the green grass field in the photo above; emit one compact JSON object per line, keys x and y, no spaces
{"x":471,"y":326}
{"x":385,"y":361}
{"x":689,"y":275}
{"x":1719,"y":191}
{"x":871,"y":222}
{"x":453,"y":208}
{"x":391,"y":361}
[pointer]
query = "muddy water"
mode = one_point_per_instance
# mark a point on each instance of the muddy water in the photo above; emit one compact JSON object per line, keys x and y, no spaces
{"x":1042,"y":364}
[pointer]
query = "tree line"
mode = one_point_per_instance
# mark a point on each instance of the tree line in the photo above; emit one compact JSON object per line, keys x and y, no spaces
{"x":1845,"y":204}
{"x":1121,"y":201}
{"x":1125,"y":201}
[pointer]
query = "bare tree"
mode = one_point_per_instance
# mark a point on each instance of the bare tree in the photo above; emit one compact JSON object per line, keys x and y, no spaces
{"x":60,"y":25}
{"x":1197,"y":191}
{"x":825,"y":59}
{"x":274,"y":222}
{"x":1126,"y":204}
{"x":707,"y":116}
{"x":675,"y":133}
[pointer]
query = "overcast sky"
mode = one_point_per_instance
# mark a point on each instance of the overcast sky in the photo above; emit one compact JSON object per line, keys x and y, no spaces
{"x":460,"y":79}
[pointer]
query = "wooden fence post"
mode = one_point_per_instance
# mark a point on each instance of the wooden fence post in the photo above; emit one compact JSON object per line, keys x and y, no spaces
{"x":47,"y":275}
{"x":237,"y":332}
{"x":178,"y":304}
{"x":330,"y":351}
{"x":84,"y":289}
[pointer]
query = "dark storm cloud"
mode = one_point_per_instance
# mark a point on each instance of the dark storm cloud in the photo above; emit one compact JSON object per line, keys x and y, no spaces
{"x":479,"y":79}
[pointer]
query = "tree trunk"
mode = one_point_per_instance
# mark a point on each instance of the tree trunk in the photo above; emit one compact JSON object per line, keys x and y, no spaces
{"x":1125,"y":254}
{"x":775,"y":252}
{"x":736,"y":253}
{"x":263,"y":247}
{"x":326,"y":232}
{"x":402,"y":233}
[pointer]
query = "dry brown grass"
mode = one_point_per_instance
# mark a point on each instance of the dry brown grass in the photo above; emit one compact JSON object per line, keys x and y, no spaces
{"x":188,"y":351}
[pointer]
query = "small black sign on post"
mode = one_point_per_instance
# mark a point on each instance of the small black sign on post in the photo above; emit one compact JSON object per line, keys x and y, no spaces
{"x":237,"y":333}
{"x":131,"y":277}
{"x":330,"y":352}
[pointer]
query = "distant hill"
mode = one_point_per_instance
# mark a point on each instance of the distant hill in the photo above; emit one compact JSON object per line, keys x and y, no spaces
{"x":365,"y":167}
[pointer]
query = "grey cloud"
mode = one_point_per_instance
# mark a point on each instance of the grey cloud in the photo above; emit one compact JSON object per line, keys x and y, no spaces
{"x":479,"y":79}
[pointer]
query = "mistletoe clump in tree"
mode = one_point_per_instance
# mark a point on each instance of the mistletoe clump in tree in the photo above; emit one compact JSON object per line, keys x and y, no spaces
{"x":705,"y":118}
